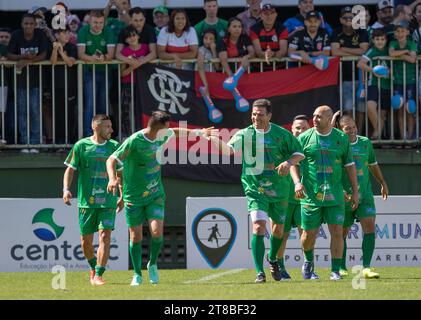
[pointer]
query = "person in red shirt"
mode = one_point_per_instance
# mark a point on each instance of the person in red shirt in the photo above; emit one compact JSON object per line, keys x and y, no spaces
{"x":269,"y":36}
{"x":235,"y":45}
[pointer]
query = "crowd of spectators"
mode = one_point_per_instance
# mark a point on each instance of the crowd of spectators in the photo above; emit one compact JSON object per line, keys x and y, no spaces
{"x":256,"y":32}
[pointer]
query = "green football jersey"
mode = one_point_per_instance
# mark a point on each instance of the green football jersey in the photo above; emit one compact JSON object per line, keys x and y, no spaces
{"x":398,"y":65}
{"x":261,"y":154}
{"x":140,"y":158}
{"x":95,"y":42}
{"x":89,"y":159}
{"x":321,"y":170}
{"x":363,"y":155}
{"x":220,"y":28}
{"x":372,"y":56}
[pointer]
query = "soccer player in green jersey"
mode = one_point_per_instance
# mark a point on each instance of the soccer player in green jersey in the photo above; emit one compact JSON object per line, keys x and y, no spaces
{"x":365,"y":161}
{"x":268,"y":152}
{"x":143,"y":191}
{"x":327,"y":151}
{"x":97,"y":208}
{"x":293,"y":216}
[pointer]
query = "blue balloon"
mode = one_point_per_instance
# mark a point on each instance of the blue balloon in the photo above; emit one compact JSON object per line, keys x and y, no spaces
{"x":397,"y":102}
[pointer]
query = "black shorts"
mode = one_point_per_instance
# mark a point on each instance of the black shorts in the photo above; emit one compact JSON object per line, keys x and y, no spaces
{"x":385,"y":99}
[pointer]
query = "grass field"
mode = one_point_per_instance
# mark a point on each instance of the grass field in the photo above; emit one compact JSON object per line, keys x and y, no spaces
{"x":395,"y":283}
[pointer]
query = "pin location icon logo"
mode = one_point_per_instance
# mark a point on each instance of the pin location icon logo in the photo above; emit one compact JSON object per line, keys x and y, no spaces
{"x":214,"y":231}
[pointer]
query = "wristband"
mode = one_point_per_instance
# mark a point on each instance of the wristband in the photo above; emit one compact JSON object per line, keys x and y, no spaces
{"x":290,"y":163}
{"x":65,"y":189}
{"x":295,"y":183}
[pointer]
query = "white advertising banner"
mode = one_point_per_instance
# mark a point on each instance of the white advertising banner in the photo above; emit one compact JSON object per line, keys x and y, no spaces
{"x":219,"y":230}
{"x":37,"y":234}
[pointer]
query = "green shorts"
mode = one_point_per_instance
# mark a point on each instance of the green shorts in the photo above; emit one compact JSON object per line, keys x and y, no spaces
{"x":275,"y":210}
{"x":293,"y":218}
{"x":93,"y":219}
{"x":136,"y":215}
{"x":365,"y":210}
{"x":312,"y":217}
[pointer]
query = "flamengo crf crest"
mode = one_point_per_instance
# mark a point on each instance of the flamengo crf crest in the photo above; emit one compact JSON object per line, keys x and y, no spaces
{"x":166,"y":87}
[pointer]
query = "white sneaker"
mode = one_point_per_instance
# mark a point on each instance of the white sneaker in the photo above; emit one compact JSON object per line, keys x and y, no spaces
{"x":33,"y":150}
{"x":24,"y":150}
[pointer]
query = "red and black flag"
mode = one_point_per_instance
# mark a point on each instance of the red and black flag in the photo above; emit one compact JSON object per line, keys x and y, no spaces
{"x":292,"y":91}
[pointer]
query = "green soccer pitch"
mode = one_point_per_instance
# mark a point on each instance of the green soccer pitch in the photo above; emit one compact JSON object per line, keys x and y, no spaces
{"x":394,"y":283}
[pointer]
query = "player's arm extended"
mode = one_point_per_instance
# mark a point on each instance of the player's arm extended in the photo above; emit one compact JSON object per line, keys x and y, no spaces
{"x":67,"y":182}
{"x":352,"y":176}
{"x":222,"y":146}
{"x":184,"y":132}
{"x":377,"y":173}
{"x":112,"y":175}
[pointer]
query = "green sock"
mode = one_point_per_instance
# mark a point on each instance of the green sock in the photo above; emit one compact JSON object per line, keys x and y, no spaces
{"x":369,"y":240}
{"x":336,"y":264}
{"x":281,"y":264}
{"x":92,"y":263}
{"x":136,"y":255}
{"x":155,"y":247}
{"x":309,"y":255}
{"x":258,"y":252}
{"x":99,"y":271}
{"x":343,"y":263}
{"x":275,"y":244}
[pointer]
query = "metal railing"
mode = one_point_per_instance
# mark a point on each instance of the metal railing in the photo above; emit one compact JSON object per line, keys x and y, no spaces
{"x":75,"y":103}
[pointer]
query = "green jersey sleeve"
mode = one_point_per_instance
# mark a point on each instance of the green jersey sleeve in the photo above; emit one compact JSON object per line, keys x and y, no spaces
{"x":73,"y":159}
{"x":371,"y":155}
{"x":123,"y":151}
{"x":347,"y":158}
{"x":236,"y":141}
{"x":292,"y":147}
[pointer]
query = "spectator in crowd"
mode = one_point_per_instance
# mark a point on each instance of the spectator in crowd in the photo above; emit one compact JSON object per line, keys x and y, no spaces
{"x":95,"y":45}
{"x":236,"y":44}
{"x":211,"y":22}
{"x":401,"y":13}
{"x":384,"y":18}
{"x":269,"y":36}
{"x":367,"y":62}
{"x":406,"y":50}
{"x":5,"y":34}
{"x":28,"y":45}
{"x":86,"y":19}
{"x":74,"y":24}
{"x":251,"y":15}
{"x":179,"y":40}
{"x":146,"y":35}
{"x":41,"y":22}
{"x":123,"y":19}
{"x":62,"y":5}
{"x":416,"y":35}
{"x":160,"y":18}
{"x":133,"y":50}
{"x":297,"y":23}
{"x":207,"y":52}
{"x":347,"y":41}
{"x":311,"y":41}
{"x":65,"y":89}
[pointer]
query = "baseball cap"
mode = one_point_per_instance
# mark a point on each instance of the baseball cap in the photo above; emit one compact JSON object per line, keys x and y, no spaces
{"x":267,"y":6}
{"x":37,"y":8}
{"x":312,"y":14}
{"x":382,"y":4}
{"x":160,"y":9}
{"x":402,"y":24}
{"x":345,"y":10}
